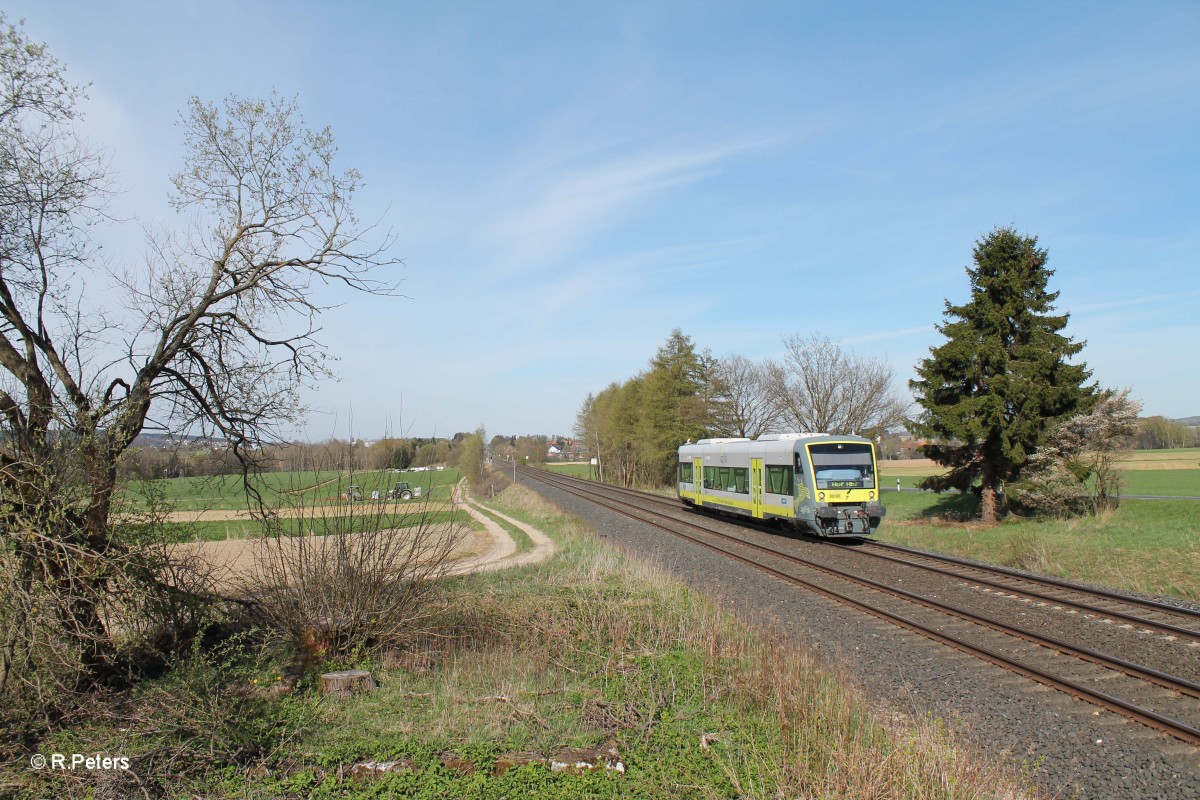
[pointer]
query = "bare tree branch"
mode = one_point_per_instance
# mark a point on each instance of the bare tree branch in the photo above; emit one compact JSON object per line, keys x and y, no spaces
{"x":819,"y":386}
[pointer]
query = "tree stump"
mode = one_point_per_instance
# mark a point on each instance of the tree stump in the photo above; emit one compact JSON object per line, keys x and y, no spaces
{"x":347,"y":682}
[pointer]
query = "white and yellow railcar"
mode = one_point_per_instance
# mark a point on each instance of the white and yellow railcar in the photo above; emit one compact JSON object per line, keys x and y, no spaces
{"x":816,"y":482}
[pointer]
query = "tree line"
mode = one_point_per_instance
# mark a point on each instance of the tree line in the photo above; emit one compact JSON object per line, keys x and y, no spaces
{"x":633,"y":429}
{"x":1004,"y":402}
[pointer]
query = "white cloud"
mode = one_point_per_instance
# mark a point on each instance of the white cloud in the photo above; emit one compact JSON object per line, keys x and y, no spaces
{"x":575,"y":203}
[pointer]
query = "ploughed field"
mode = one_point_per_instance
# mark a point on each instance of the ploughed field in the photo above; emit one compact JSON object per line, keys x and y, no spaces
{"x":1069,"y":746}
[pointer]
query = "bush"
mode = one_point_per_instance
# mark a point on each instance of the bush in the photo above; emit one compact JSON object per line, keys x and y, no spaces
{"x":355,"y":582}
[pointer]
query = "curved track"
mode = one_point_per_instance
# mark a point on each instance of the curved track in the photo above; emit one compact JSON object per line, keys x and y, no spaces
{"x":1091,"y":666}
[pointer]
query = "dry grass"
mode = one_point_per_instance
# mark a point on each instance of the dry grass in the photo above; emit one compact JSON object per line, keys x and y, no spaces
{"x":600,"y":648}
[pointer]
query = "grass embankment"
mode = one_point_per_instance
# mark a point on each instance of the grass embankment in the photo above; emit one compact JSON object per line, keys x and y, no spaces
{"x":592,"y":649}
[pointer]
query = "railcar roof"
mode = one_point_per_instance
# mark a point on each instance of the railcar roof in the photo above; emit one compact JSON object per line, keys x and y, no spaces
{"x":769,"y":443}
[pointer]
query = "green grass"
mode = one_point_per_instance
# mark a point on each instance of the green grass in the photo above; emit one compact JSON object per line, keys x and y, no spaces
{"x":524,"y":543}
{"x":888,"y":478}
{"x":574,"y":470}
{"x":591,"y":649}
{"x":1144,"y":545}
{"x":1172,"y":482}
{"x":596,"y":650}
{"x":1148,"y":546}
{"x":225,"y":492}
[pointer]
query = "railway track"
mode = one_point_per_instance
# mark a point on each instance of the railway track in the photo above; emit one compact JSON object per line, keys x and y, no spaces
{"x":952,"y":608}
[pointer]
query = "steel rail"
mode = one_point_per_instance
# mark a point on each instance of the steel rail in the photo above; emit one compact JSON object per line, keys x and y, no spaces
{"x":1176,"y":728}
{"x":1153,"y":605}
{"x":1166,"y":627}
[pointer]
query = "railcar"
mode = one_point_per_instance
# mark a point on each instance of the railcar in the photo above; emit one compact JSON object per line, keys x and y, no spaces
{"x":815,"y":482}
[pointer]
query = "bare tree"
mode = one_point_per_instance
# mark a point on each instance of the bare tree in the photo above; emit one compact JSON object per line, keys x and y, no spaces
{"x":819,"y":386}
{"x":744,"y":404}
{"x":218,"y":333}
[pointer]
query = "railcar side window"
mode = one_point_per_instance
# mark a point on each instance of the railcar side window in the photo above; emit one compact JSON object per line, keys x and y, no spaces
{"x":685,"y":472}
{"x":727,"y":479}
{"x":779,"y":480}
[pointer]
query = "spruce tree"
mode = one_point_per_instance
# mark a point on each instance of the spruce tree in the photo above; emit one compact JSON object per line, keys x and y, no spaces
{"x":1002,"y":378}
{"x":673,"y":404}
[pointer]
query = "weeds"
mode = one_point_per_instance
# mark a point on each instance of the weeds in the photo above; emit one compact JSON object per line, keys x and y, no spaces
{"x":593,"y":649}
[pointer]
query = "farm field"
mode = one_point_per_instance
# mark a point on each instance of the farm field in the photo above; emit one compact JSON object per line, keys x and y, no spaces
{"x":1172,"y":482}
{"x":367,"y":518}
{"x":1174,"y":473}
{"x":287,"y":489}
{"x":574,"y":469}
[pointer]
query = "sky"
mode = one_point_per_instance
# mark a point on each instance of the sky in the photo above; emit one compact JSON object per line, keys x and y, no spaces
{"x":568,"y":182}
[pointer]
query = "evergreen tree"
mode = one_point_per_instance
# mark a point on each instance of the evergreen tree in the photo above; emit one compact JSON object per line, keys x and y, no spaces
{"x":674,"y":405}
{"x":1002,"y":378}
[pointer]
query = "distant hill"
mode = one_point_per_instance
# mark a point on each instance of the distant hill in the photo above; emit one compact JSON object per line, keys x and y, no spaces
{"x":1193,"y":421}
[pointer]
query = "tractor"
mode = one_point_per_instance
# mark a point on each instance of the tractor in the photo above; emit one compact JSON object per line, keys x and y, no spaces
{"x":402,"y":492}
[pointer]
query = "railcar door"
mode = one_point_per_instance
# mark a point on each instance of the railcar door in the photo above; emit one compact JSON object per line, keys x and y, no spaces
{"x":756,"y":488}
{"x":698,"y":479}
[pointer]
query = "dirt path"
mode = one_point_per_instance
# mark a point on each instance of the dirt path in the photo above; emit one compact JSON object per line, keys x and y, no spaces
{"x":503,"y":552}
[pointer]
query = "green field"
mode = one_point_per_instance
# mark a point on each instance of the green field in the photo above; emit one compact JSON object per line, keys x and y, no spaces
{"x":1173,"y":473}
{"x":1172,"y":482}
{"x":286,"y":489}
{"x":575,"y":470}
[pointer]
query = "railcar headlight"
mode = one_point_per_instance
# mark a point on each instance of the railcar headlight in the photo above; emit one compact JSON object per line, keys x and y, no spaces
{"x":821,"y":496}
{"x":870,"y":495}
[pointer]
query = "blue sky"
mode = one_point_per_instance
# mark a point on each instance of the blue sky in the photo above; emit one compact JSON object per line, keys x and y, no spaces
{"x":567,"y":182}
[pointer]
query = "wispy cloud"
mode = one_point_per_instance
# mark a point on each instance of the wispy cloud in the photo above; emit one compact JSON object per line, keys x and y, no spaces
{"x":902,"y":333}
{"x":574,"y":203}
{"x":1131,"y":302}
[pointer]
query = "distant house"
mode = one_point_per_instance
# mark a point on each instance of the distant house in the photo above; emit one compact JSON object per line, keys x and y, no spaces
{"x":912,"y":447}
{"x":553,"y":452}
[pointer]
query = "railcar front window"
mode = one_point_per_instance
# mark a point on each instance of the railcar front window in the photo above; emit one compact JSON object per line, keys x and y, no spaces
{"x":843,"y":466}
